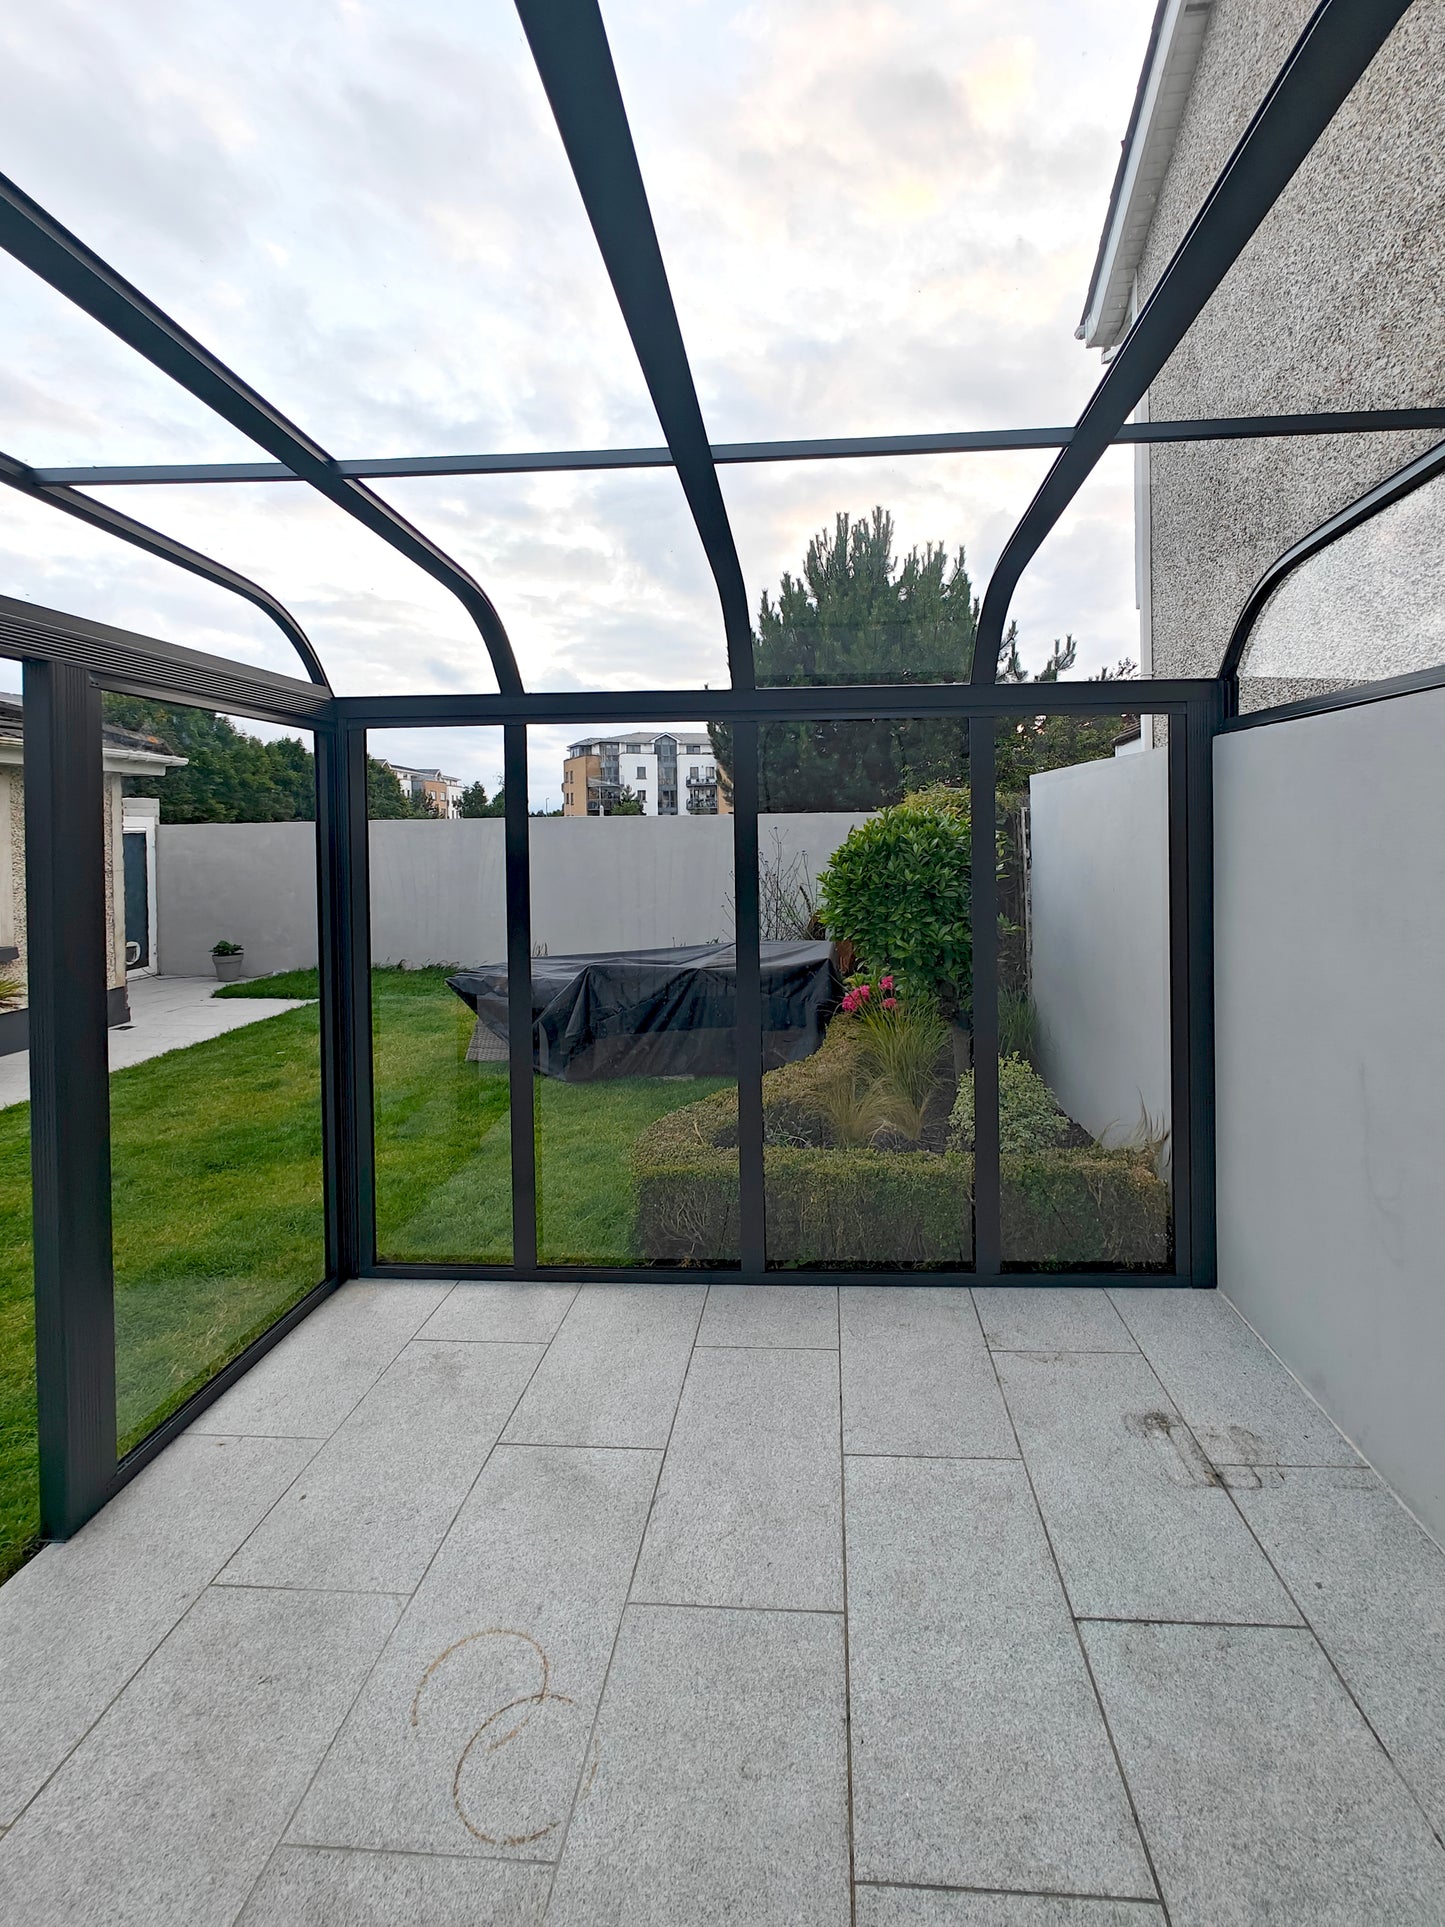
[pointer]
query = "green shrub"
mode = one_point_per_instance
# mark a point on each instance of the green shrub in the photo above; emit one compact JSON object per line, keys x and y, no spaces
{"x":1029,"y":1119}
{"x":853,"y":1206}
{"x":1018,"y":1024}
{"x":898,"y":889}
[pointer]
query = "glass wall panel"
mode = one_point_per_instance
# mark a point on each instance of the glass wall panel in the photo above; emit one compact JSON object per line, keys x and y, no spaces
{"x":865,"y":879}
{"x":634,"y":996}
{"x":1085,"y":1106}
{"x":1363,"y":609}
{"x":870,"y":570}
{"x":19,"y":1488}
{"x":439,"y":1057}
{"x":215,"y":1087}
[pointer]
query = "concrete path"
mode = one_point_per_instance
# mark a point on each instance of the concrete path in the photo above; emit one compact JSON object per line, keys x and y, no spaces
{"x":902,"y":1606}
{"x":167,"y":1013}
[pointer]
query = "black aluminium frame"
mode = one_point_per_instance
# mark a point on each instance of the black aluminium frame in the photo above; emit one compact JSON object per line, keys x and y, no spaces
{"x":68,"y":660}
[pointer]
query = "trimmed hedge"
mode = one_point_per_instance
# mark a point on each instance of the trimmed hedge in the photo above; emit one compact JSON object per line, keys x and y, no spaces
{"x":857,"y":1207}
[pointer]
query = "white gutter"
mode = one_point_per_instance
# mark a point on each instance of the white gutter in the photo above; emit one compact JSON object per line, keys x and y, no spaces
{"x":1158,"y":110}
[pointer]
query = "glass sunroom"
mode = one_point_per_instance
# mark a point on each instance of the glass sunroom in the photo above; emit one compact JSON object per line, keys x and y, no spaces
{"x":675,"y":1345}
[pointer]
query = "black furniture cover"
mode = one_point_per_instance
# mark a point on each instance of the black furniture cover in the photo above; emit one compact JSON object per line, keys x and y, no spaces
{"x":659,"y":1013}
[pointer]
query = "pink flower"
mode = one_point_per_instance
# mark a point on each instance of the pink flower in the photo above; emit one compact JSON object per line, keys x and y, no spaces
{"x":890,"y":1003}
{"x":864,"y":990}
{"x":885,"y":983}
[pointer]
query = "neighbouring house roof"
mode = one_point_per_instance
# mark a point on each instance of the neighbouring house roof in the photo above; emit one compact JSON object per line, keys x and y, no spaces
{"x":1169,"y":63}
{"x":124,"y":752}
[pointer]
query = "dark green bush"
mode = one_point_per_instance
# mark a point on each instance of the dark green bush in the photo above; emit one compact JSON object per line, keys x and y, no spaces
{"x":898,"y":889}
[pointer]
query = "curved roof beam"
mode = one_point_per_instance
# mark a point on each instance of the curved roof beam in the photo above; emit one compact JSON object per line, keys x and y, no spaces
{"x":569,"y":45}
{"x":72,"y":269}
{"x":101,"y":515}
{"x":1338,"y":44}
{"x":1383,"y":495}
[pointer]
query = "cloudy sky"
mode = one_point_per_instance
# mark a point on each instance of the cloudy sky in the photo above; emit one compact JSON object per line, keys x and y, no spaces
{"x":876,"y":217}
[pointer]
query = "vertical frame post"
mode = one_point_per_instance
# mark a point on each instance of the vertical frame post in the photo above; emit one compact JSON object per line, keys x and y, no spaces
{"x":344,"y":927}
{"x":983,"y":811}
{"x":1201,"y":724}
{"x":69,"y":1094}
{"x":747,"y":952}
{"x":520,"y":1073}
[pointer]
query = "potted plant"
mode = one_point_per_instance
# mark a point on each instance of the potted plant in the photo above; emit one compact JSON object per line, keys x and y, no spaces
{"x":229,"y":959}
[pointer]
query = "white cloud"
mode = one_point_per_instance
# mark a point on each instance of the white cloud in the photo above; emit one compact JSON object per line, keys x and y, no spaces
{"x":876,"y":217}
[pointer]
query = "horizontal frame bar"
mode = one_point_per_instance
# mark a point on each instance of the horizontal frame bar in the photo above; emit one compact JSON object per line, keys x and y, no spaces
{"x":721,"y":1275}
{"x":801,"y":701}
{"x":1353,"y":697}
{"x":829,"y":448}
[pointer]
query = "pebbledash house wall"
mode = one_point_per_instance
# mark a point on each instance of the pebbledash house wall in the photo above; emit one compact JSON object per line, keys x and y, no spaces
{"x":1335,"y":304}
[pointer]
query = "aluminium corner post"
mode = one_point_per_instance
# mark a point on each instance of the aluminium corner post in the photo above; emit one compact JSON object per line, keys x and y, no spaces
{"x":1202,"y":722}
{"x":67,"y":951}
{"x":344,"y":953}
{"x":747,"y":958}
{"x":983,"y":814}
{"x":521,"y":1089}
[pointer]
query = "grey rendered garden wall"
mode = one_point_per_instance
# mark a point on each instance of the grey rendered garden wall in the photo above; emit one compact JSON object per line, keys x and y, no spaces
{"x":1330,"y":945}
{"x":1100,"y":893}
{"x":437,"y":890}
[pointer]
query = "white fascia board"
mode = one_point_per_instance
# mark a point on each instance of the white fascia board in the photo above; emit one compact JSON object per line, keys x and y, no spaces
{"x":1161,"y":109}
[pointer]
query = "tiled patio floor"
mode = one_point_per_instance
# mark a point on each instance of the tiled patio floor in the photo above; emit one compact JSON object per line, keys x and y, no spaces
{"x":659,"y":1605}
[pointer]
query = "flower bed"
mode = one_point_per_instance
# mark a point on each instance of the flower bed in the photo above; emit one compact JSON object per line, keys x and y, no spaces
{"x":859,"y":1205}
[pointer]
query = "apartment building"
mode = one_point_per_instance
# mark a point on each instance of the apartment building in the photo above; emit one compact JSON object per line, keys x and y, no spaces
{"x":433,"y":786}
{"x":669,"y":774}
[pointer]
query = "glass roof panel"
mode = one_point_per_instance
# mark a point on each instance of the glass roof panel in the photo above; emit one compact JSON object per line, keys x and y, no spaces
{"x":867,"y":618}
{"x":60,"y":563}
{"x":376,"y":620}
{"x":1366,"y":608}
{"x":599,"y":577}
{"x":879,"y":219}
{"x":1083,"y":585}
{"x":365,"y":211}
{"x":72,"y":394}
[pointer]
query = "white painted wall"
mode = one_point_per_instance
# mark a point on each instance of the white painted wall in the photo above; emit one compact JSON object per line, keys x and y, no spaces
{"x":1100,"y":894}
{"x":438,"y":893}
{"x":1330,"y":998}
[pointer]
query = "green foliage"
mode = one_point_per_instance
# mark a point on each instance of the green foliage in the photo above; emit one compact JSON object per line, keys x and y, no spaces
{"x":857,"y":614}
{"x":475,"y":802}
{"x":900,"y":1049}
{"x":1029,"y":1118}
{"x":1018,"y":1024}
{"x":898,"y":888}
{"x":282,"y":983}
{"x":225,"y":948}
{"x":622,"y":802}
{"x":1061,"y":1209}
{"x":228,"y":777}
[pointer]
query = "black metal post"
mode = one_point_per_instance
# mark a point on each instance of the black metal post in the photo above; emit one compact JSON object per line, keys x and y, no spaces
{"x":747,"y":941}
{"x":519,"y":998}
{"x":983,"y":809}
{"x":66,"y":939}
{"x":344,"y":924}
{"x":1201,"y":724}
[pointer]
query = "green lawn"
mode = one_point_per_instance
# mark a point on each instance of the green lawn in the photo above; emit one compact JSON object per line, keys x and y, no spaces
{"x":216,"y":1157}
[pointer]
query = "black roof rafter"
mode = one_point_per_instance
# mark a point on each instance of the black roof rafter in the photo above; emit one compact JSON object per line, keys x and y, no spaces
{"x":75,"y":271}
{"x":569,"y":45}
{"x":1340,"y":40}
